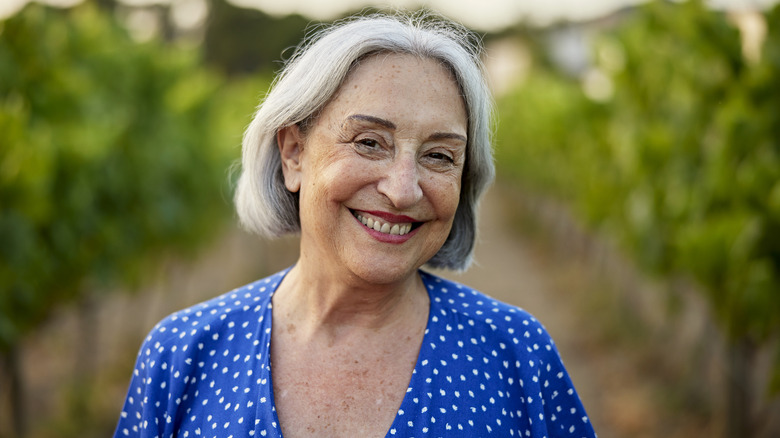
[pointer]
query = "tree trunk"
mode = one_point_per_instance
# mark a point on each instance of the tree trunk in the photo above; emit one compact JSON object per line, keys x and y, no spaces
{"x":739,"y":362}
{"x":13,"y":376}
{"x":85,"y":365}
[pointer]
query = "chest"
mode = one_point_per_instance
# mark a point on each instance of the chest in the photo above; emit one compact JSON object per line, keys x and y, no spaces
{"x":341,"y":391}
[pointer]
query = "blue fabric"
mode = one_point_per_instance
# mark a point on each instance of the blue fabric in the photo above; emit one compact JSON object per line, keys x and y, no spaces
{"x":485,"y":369}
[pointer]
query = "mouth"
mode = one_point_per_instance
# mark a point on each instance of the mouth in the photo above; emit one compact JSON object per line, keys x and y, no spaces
{"x":384,"y":226}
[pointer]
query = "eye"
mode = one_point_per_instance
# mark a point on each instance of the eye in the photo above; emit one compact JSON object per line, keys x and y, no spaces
{"x":441,"y":156}
{"x":370,"y":147}
{"x":368,"y":143}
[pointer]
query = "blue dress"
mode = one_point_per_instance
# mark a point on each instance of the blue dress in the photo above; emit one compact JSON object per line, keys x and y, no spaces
{"x":484,"y":369}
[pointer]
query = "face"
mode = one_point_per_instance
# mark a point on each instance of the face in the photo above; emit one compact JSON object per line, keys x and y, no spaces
{"x":379,"y":172}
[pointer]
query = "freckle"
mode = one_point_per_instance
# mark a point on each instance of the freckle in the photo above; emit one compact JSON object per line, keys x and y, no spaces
{"x":291,"y":328}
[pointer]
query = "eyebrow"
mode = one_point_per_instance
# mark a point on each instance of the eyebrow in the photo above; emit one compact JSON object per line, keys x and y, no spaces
{"x":447,"y":136}
{"x":390,"y":125}
{"x":366,"y":118}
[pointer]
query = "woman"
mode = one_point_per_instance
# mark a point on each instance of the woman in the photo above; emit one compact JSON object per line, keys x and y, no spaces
{"x":374,"y":144}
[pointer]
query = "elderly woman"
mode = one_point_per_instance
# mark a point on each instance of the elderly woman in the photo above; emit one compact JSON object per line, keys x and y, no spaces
{"x":374,"y":144}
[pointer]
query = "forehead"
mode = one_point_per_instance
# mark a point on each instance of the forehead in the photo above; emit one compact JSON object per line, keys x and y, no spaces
{"x":388,"y":66}
{"x":401,"y":88}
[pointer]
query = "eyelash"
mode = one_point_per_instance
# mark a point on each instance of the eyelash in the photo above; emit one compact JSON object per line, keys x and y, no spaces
{"x":368,"y":142}
{"x":373,"y":144}
{"x":441,"y":156}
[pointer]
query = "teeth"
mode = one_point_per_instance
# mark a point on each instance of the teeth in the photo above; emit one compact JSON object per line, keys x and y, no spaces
{"x":386,"y":228}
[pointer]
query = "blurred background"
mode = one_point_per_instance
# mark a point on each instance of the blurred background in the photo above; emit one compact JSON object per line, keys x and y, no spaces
{"x":636,"y":211}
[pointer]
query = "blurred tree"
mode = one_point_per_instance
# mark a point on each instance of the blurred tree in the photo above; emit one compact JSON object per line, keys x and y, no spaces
{"x":240,"y":40}
{"x":706,"y":159}
{"x":106,"y":164}
{"x":682,"y":163}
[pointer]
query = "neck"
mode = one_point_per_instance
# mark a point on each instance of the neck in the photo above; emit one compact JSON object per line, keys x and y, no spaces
{"x":318,"y":301}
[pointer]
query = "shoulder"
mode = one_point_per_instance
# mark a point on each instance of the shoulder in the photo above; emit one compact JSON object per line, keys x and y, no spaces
{"x":211,"y":322}
{"x":498,"y":329}
{"x":502,"y":319}
{"x":503,"y":344}
{"x":197,"y":352}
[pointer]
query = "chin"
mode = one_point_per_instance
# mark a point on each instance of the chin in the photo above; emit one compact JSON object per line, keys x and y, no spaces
{"x":383,"y":273}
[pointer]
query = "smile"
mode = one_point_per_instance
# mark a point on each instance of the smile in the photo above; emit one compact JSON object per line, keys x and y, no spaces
{"x":384,"y":227}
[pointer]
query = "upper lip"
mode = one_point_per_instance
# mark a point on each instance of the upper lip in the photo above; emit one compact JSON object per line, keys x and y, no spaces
{"x":389,"y":217}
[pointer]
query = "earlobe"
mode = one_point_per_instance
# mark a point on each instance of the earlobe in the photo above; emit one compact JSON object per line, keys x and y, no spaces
{"x":290,"y":144}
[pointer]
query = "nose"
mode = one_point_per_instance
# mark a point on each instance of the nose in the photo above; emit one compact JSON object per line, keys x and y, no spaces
{"x":401,"y":181}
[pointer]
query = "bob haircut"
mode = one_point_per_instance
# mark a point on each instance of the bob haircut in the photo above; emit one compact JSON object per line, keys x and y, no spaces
{"x":313,"y":75}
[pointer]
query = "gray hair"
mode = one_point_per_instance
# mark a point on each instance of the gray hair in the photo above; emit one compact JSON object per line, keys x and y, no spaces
{"x":312,"y":76}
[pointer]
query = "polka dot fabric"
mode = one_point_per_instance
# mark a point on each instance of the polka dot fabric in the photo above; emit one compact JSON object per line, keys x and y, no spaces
{"x":484,"y":369}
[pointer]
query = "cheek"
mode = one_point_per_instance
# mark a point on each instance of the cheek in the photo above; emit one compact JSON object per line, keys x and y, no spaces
{"x":338,"y":181}
{"x":444,"y":193}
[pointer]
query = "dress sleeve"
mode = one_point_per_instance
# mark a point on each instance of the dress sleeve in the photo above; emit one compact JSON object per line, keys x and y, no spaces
{"x":563,"y":410}
{"x":145,"y":411}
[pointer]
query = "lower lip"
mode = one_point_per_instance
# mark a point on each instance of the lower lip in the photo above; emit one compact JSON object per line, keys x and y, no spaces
{"x":388,"y":238}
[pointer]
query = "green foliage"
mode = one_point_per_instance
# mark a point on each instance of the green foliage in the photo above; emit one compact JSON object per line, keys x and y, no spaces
{"x":240,"y":40}
{"x":682,"y":163}
{"x":107,"y":159}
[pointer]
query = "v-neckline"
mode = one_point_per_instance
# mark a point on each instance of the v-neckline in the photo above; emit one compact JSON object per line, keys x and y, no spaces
{"x":425,"y":278}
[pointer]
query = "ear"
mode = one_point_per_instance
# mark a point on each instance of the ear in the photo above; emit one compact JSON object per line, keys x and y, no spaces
{"x":290,"y":143}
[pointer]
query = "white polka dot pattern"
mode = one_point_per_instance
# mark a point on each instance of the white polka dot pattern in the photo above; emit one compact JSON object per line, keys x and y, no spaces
{"x":485,"y":369}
